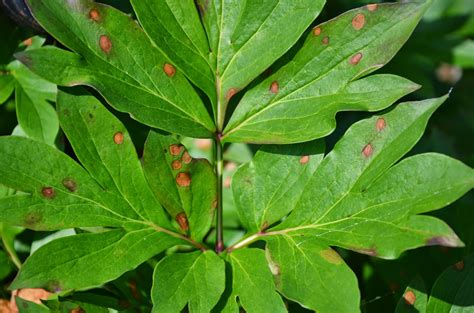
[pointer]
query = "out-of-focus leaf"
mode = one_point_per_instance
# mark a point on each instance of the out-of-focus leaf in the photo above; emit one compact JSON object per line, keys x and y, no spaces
{"x":196,"y":279}
{"x":464,"y":54}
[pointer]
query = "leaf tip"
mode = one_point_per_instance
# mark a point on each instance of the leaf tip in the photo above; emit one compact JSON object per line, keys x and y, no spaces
{"x":446,"y":241}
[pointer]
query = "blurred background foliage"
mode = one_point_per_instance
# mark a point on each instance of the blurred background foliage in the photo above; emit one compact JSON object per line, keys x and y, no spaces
{"x":439,"y":56}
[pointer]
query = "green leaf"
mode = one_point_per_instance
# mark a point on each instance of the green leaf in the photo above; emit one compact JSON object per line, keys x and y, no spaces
{"x":452,"y":291}
{"x":25,"y":306}
{"x":312,"y":274}
{"x":116,"y":57}
{"x":103,"y":145}
{"x":414,"y":298}
{"x":298,"y":103}
{"x":185,"y":186}
{"x":59,"y":192}
{"x":7,"y":85}
{"x":266,"y":188}
{"x":175,"y":27}
{"x":246,"y":37}
{"x":196,"y":279}
{"x":67,"y":263}
{"x":252,"y":283}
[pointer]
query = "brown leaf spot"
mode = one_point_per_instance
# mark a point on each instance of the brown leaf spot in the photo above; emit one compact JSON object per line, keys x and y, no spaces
{"x":358,"y":21}
{"x":182,"y":221}
{"x":317,"y":31}
{"x":77,"y":310}
{"x":214,"y":204}
{"x":331,"y":256}
{"x":105,"y":43}
{"x":368,"y":150}
{"x":447,"y":241}
{"x":230,"y":93}
{"x":325,"y":41}
{"x":372,"y":7}
{"x":94,"y":15}
{"x":132,"y":284}
{"x":186,"y":157}
{"x":304,"y":159}
{"x":371,"y":251}
{"x":356,"y":58}
{"x":176,"y":164}
{"x":176,"y":149}
{"x":169,"y":70}
{"x":70,"y":184}
{"x":28,"y":42}
{"x":459,"y":266}
{"x":118,"y":138}
{"x":409,"y":297}
{"x":48,"y":192}
{"x":183,"y":179}
{"x":274,"y":87}
{"x":380,"y":124}
{"x":32,"y":219}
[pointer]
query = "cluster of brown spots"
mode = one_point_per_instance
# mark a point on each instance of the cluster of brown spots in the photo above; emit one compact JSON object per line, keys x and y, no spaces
{"x":132,"y":284}
{"x":94,"y":15}
{"x":356,"y":58}
{"x":186,"y":157}
{"x":459,"y":266}
{"x":304,"y":159}
{"x":380,"y":124}
{"x":317,"y":31}
{"x":78,"y":310}
{"x":325,"y":41}
{"x":28,"y":42}
{"x":368,"y":150}
{"x":409,"y":297}
{"x":70,"y":184}
{"x":48,"y":192}
{"x":176,"y":165}
{"x":118,"y":138}
{"x":105,"y":43}
{"x":230,"y":93}
{"x":183,"y":179}
{"x":169,"y":70}
{"x":274,"y":87}
{"x":182,"y":221}
{"x":358,"y":21}
{"x":176,"y":149}
{"x":331,"y":256}
{"x":372,"y":7}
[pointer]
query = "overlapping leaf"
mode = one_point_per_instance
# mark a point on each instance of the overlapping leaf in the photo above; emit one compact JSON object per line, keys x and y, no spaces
{"x":185,"y":186}
{"x":58,"y":193}
{"x":298,"y":103}
{"x":357,"y":200}
{"x":195,"y":278}
{"x":115,"y":56}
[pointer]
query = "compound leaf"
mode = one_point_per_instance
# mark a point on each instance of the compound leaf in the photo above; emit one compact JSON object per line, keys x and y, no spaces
{"x":116,"y":57}
{"x":185,"y":186}
{"x":195,"y":278}
{"x":246,"y":37}
{"x":67,"y":263}
{"x":298,"y":103}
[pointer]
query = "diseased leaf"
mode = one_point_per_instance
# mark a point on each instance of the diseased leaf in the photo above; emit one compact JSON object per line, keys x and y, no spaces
{"x":104,"y":147}
{"x":185,"y":186}
{"x":452,"y":291}
{"x":414,"y":298}
{"x":175,"y":27}
{"x":196,"y":279}
{"x":266,"y":189}
{"x":312,"y":274}
{"x":299,"y":102}
{"x":67,"y":263}
{"x":116,"y":57}
{"x":252,"y":283}
{"x":246,"y":37}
